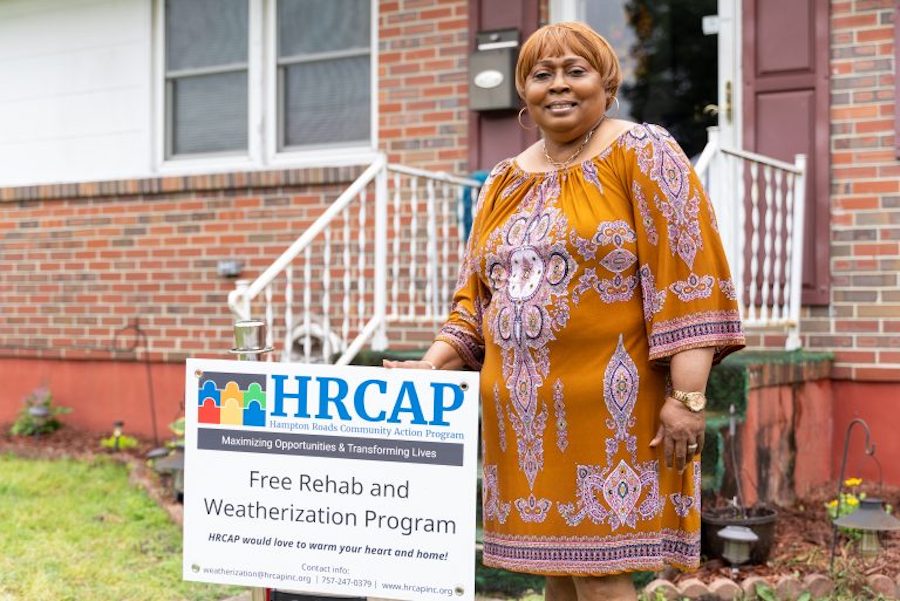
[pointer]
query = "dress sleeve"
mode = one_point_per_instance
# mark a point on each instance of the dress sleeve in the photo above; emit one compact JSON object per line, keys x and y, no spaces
{"x":463,"y":328}
{"x":689,"y":299}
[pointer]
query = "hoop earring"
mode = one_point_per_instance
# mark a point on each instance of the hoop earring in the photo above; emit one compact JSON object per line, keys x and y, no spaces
{"x":519,"y":119}
{"x":618,"y":106}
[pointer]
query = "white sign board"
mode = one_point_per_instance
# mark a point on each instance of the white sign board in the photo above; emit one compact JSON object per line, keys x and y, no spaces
{"x":356,"y":481}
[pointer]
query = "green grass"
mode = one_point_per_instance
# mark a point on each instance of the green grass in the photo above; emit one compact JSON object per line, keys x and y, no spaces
{"x":74,"y":530}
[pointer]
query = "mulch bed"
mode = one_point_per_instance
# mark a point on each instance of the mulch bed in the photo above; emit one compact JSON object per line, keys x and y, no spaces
{"x":802,"y":539}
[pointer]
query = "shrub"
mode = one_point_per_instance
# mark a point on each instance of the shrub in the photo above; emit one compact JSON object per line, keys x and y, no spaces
{"x":28,"y":424}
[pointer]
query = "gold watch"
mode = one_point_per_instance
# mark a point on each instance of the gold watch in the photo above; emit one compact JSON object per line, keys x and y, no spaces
{"x":695,"y":401}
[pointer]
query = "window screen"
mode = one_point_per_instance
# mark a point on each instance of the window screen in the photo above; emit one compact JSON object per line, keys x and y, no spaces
{"x":206,"y":76}
{"x":324,"y":72}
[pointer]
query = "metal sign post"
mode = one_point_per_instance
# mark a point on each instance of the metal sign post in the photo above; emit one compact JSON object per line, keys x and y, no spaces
{"x":250,"y":345}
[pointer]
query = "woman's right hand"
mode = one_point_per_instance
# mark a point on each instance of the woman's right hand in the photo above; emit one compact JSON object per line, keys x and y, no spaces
{"x":422,"y":364}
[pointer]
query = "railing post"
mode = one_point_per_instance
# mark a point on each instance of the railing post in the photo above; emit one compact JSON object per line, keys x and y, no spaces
{"x":238,"y":300}
{"x":723,"y":199}
{"x":379,"y":292}
{"x":796,"y":283}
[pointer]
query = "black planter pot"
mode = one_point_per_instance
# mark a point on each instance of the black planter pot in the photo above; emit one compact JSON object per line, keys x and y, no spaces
{"x":760,"y":519}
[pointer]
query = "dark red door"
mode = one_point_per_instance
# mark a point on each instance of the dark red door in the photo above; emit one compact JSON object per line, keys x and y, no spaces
{"x":785,"y":91}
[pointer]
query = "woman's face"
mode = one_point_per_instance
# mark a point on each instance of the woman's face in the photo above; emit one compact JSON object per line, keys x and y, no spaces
{"x":564,"y":95}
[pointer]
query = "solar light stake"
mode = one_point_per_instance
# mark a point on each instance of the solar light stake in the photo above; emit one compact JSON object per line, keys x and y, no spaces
{"x":738,"y":542}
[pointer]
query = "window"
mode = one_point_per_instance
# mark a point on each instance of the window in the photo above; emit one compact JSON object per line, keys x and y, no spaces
{"x":266,"y":81}
{"x":206,"y":76}
{"x":324,"y":78}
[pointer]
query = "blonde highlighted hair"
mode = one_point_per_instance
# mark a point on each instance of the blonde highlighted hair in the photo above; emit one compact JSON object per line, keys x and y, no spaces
{"x":559,"y":39}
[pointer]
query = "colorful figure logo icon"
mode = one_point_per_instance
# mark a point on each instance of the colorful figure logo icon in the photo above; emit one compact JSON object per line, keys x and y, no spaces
{"x":232,"y":399}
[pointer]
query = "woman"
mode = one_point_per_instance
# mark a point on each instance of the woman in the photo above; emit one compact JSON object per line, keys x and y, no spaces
{"x":594,"y":297}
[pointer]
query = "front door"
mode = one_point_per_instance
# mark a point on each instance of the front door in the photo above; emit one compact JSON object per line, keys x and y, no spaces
{"x":785,"y":110}
{"x":669,"y":65}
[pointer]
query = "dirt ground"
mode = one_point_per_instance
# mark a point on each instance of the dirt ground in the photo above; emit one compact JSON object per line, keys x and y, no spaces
{"x":802,"y":541}
{"x":803,"y":538}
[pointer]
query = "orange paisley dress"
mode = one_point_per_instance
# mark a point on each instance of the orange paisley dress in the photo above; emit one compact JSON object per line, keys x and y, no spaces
{"x":576,"y":286}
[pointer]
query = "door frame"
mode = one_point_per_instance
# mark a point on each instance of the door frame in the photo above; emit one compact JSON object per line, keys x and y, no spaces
{"x":730,"y":79}
{"x":730,"y":73}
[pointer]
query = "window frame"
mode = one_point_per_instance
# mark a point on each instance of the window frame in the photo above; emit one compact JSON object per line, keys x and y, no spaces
{"x":263,"y":116}
{"x":330,"y":154}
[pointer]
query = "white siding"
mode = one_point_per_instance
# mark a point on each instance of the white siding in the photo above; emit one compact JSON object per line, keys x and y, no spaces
{"x":75,"y":90}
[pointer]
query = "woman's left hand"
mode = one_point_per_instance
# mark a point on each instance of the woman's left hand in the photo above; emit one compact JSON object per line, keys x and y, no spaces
{"x":408,"y":364}
{"x":679,"y":430}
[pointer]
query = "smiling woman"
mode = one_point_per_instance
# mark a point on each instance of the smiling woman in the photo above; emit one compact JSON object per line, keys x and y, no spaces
{"x":594,"y":298}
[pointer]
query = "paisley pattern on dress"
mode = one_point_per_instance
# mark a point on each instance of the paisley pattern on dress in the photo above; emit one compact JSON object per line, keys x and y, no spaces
{"x":728,"y":289}
{"x":501,"y":422}
{"x":620,"y":392}
{"x":559,"y":405}
{"x":590,"y":174}
{"x":492,"y":507}
{"x":533,"y":509}
{"x":695,"y":287}
{"x":684,"y":503}
{"x":653,"y":299}
{"x":646,"y":219}
{"x":529,"y":270}
{"x":665,"y":164}
{"x":621,"y":488}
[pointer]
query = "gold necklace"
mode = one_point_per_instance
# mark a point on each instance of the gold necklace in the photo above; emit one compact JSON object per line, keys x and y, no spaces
{"x":559,"y":166}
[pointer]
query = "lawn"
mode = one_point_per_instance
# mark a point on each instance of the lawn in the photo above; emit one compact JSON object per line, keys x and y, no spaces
{"x":78,"y":530}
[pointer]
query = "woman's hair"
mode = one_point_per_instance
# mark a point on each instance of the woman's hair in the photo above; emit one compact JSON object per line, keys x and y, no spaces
{"x":572,"y":36}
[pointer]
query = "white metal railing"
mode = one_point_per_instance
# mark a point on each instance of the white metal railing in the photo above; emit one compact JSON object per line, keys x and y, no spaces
{"x":392,"y":224}
{"x":759,"y":203}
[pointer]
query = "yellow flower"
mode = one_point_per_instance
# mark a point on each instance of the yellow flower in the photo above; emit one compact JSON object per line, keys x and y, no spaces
{"x":831,"y":504}
{"x":852,"y":482}
{"x":853,"y":501}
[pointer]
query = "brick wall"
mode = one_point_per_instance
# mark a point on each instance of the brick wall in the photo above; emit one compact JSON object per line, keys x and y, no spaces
{"x":862,"y":323}
{"x":77,"y":265}
{"x":422,"y":83}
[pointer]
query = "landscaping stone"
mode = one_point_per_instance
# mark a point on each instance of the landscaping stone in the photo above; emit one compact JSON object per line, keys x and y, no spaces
{"x":883,"y":585}
{"x":693,"y":588}
{"x":788,"y":588}
{"x":725,"y":589}
{"x":749,"y":586}
{"x":663,"y":586}
{"x":818,"y":585}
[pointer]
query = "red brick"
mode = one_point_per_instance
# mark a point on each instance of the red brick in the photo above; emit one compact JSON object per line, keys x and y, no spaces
{"x":875,"y":35}
{"x":853,"y":21}
{"x":881,"y":374}
{"x":876,"y":186}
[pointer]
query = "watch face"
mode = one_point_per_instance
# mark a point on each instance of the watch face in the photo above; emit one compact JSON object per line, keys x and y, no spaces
{"x":696,"y":402}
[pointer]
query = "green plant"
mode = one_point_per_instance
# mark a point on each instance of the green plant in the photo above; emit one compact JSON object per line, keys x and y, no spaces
{"x":765,"y":592}
{"x":124,"y":443}
{"x":38,"y":415}
{"x":848,"y":503}
{"x":177,"y":428}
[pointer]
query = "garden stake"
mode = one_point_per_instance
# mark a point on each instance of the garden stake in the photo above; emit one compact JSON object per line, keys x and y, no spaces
{"x":870,"y":451}
{"x":140,"y":339}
